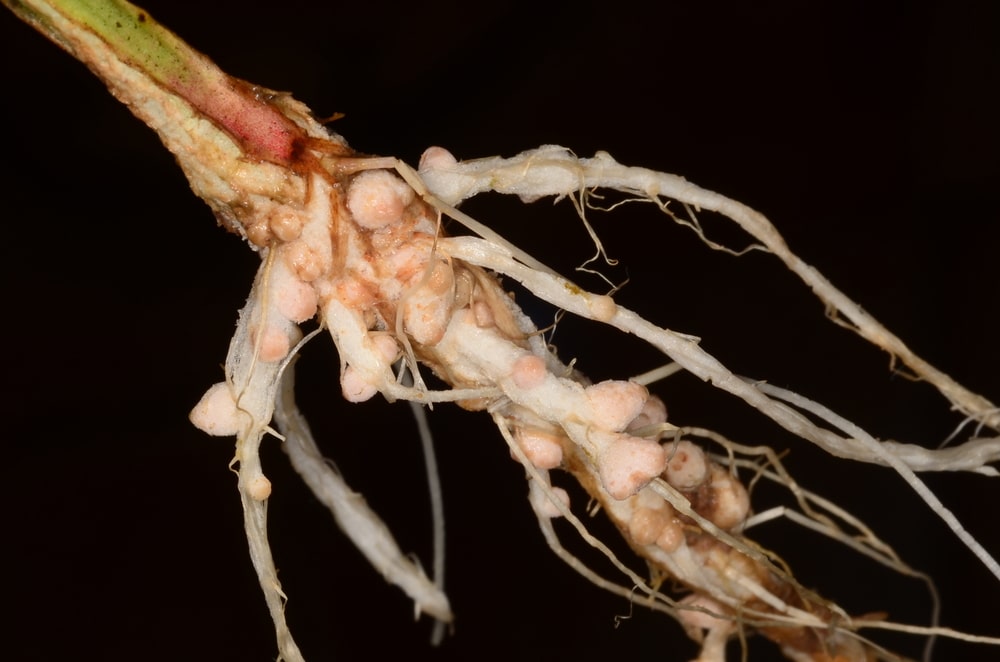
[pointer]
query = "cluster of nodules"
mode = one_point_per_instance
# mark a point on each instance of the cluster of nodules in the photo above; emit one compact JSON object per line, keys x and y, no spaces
{"x":298,"y":276}
{"x":384,"y":266}
{"x":393,"y":273}
{"x":630,"y":422}
{"x":713,"y":492}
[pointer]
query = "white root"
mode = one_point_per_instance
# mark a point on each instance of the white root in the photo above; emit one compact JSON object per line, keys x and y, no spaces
{"x":554,"y":170}
{"x":400,"y":289}
{"x":387,"y":283}
{"x":902,"y":469}
{"x":253,"y":385}
{"x":369,"y":534}
{"x":356,"y":243}
{"x":533,"y":397}
{"x":686,"y":352}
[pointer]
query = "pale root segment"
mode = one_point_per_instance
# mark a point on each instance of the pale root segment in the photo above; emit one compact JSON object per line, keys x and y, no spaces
{"x":355,"y":242}
{"x":711,"y":631}
{"x":394,"y":289}
{"x":711,"y":500}
{"x":364,"y":254}
{"x":295,"y":278}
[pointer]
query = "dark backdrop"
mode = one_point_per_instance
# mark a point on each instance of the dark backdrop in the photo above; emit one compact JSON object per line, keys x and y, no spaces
{"x":869,"y":136}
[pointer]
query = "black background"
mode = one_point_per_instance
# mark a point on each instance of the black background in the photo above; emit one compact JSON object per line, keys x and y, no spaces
{"x":869,"y":136}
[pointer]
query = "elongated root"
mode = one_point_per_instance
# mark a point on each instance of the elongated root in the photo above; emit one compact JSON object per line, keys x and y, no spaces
{"x":356,"y":243}
{"x":351,"y":512}
{"x":371,"y":262}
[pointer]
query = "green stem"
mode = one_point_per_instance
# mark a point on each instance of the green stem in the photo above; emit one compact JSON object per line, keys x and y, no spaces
{"x":130,"y":37}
